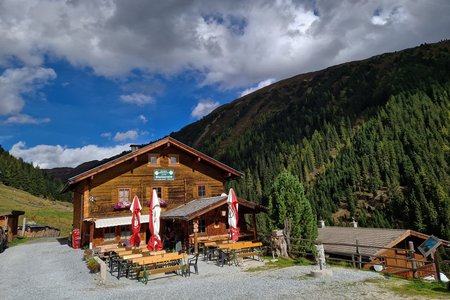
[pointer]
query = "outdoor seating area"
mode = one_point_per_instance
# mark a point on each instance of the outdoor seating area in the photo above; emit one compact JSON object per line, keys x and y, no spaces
{"x":139,"y":263}
{"x":232,"y":253}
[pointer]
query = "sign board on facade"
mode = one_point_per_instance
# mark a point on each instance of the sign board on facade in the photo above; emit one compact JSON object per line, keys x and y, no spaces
{"x":429,"y":246}
{"x":163,"y":174}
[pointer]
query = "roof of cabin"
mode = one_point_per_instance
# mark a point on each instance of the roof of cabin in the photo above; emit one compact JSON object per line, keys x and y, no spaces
{"x":377,"y":237}
{"x":201,"y":206}
{"x":164,"y":142}
{"x":12,"y":213}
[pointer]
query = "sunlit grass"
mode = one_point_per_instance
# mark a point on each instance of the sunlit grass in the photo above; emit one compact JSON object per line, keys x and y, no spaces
{"x":41,"y":211}
{"x":281,"y":262}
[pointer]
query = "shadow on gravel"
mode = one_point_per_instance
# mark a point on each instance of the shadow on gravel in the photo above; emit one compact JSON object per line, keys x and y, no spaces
{"x":63,"y":241}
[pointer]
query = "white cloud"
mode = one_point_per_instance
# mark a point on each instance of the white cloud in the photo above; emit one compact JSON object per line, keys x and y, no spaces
{"x":142,"y":118}
{"x":204,"y":107}
{"x":233,"y":43}
{"x":106,"y":135}
{"x":47,"y":156}
{"x":136,"y":98}
{"x":14,"y":83}
{"x":126,"y":136}
{"x":259,"y":86}
{"x":25,"y":119}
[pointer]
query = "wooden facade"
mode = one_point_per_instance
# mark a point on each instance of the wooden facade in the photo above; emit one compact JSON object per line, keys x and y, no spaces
{"x":9,"y":221}
{"x":396,"y":250}
{"x":179,"y":173}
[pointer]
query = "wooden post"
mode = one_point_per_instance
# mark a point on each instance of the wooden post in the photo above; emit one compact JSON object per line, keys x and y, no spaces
{"x":91,"y":234}
{"x":195,"y":235}
{"x":24,"y":225}
{"x":436,"y":265}
{"x":412,"y":258}
{"x":254,"y":226}
{"x":359,"y":255}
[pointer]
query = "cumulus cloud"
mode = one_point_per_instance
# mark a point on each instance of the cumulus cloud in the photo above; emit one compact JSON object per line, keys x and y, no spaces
{"x":204,"y":107}
{"x":14,"y":83}
{"x":126,"y":136}
{"x":47,"y":156}
{"x":233,"y":43}
{"x":25,"y":119}
{"x":136,"y":98}
{"x":260,"y":85}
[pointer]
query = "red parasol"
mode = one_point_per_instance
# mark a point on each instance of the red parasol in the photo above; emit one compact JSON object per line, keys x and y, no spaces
{"x":154,"y":243}
{"x":233,"y":216}
{"x":135,"y":208}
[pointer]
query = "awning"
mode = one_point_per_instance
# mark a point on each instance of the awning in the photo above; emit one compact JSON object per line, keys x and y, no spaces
{"x":110,"y":222}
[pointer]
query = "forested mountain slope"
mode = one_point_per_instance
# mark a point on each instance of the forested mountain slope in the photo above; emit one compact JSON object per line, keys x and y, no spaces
{"x":16,"y":173}
{"x":369,"y":139}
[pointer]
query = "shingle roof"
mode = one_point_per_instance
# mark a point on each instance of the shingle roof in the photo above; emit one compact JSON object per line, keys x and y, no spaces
{"x":378,"y":237}
{"x":190,"y":209}
{"x":198,"y":207}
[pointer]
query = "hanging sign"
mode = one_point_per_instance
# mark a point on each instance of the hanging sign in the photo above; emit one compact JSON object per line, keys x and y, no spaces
{"x":429,"y":246}
{"x":163,"y":174}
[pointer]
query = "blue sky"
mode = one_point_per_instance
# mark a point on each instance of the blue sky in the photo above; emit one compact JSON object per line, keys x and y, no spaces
{"x":81,"y":80}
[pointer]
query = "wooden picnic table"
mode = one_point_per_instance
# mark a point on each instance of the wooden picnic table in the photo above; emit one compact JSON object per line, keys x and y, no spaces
{"x":169,"y":262}
{"x":233,"y":252}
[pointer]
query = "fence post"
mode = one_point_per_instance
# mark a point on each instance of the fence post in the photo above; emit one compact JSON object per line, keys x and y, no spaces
{"x":359,"y":255}
{"x":436,"y":265}
{"x":412,"y":258}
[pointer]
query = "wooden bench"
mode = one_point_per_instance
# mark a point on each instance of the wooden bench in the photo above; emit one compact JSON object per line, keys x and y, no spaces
{"x":233,"y":252}
{"x":170,"y":262}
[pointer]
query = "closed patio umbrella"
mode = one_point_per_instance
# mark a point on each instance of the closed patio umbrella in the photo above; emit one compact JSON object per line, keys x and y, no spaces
{"x":135,"y":208}
{"x":154,"y":243}
{"x":233,"y":217}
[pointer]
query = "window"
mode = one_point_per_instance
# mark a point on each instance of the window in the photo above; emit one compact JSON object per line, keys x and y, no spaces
{"x":201,"y":191}
{"x":125,"y":231}
{"x":124,"y":197}
{"x":173,"y":159}
{"x":158,"y":191}
{"x":153,"y":159}
{"x":202,"y":226}
{"x":109,"y":233}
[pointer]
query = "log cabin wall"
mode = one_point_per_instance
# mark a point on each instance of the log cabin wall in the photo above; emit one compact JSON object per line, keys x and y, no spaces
{"x":137,"y":176}
{"x":77,"y":217}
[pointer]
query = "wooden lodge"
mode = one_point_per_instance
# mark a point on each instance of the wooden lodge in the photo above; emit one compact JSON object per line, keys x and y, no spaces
{"x":393,"y":251}
{"x":189,"y":183}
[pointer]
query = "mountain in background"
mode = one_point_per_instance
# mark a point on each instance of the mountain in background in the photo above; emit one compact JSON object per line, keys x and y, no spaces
{"x":369,"y":139}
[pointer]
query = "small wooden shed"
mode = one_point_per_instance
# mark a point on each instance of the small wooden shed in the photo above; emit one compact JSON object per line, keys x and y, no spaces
{"x":394,"y":249}
{"x":9,"y":221}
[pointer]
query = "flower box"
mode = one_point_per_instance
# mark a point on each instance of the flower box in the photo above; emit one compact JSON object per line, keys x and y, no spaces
{"x":120,"y":206}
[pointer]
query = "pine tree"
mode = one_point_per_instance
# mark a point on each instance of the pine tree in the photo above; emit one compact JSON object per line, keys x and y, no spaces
{"x":287,"y":202}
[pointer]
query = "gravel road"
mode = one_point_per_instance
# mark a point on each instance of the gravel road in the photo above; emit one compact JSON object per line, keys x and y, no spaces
{"x":47,"y":269}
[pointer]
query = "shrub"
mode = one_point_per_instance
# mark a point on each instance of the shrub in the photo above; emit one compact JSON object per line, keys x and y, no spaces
{"x":93,"y":265}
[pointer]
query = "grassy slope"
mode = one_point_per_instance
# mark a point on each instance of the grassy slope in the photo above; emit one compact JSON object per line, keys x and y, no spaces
{"x":41,"y":211}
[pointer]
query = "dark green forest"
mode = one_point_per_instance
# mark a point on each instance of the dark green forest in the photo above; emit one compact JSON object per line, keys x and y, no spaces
{"x":16,"y":173}
{"x":367,"y":139}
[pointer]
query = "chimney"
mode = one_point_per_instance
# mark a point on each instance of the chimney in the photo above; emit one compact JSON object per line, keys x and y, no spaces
{"x":322,"y":223}
{"x":355,"y":224}
{"x":134,"y":147}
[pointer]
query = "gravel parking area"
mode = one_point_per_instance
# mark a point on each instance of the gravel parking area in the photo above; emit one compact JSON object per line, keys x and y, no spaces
{"x":47,"y":269}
